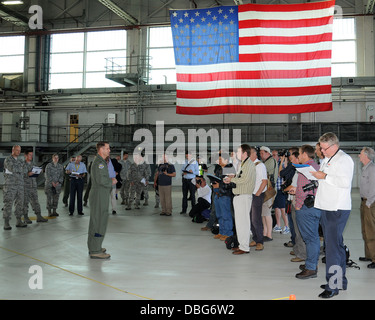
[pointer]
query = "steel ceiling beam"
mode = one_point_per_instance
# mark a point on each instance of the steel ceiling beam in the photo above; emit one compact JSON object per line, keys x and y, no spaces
{"x":370,"y":7}
{"x":120,"y":12}
{"x":13,"y":17}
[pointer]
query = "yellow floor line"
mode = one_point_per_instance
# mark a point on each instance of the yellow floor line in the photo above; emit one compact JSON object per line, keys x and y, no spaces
{"x":76,"y":274}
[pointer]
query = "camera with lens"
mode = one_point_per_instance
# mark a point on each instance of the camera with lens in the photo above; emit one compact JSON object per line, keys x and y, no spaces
{"x":198,"y":181}
{"x":285,"y":153}
{"x":164,"y":167}
{"x":310,"y":186}
{"x":285,"y":185}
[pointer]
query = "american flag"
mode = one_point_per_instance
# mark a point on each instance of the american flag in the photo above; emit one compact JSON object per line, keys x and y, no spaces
{"x":253,"y":58}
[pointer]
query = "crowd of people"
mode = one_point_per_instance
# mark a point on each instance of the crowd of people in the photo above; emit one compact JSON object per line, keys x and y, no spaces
{"x":304,"y":192}
{"x":308,"y":188}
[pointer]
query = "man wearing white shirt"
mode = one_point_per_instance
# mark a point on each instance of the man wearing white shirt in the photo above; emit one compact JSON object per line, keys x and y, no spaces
{"x":257,"y":203}
{"x":204,"y":197}
{"x":189,"y":171}
{"x":333,"y":198}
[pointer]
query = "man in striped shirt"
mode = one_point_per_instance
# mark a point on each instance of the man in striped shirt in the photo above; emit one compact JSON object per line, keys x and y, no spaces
{"x":307,"y":216}
{"x":244,"y":186}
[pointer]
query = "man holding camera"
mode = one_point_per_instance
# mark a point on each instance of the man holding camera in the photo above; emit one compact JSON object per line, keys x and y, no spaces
{"x":204,"y":199}
{"x":307,"y":216}
{"x":163,"y":179}
{"x":333,"y":198}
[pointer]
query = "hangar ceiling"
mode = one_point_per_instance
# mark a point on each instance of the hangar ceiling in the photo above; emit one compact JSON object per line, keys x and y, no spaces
{"x":85,"y":14}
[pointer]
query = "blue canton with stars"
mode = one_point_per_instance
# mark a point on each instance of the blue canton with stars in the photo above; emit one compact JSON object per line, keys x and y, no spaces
{"x":205,"y":36}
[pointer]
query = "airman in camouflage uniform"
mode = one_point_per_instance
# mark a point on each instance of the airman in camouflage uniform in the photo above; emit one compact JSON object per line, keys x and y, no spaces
{"x":14,"y":174}
{"x":31,"y":191}
{"x":54,"y":174}
{"x":139,"y":174}
{"x":124,"y":191}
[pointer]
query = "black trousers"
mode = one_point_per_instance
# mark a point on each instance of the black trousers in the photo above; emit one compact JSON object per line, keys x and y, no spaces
{"x":76,"y":187}
{"x":186,"y":187}
{"x":199,"y":207}
{"x":256,"y":218}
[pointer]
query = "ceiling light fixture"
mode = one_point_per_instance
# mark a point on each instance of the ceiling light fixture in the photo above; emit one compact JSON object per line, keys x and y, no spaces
{"x":11,"y":2}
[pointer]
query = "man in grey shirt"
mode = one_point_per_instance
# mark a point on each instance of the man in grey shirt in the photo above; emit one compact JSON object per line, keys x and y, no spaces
{"x":367,"y":192}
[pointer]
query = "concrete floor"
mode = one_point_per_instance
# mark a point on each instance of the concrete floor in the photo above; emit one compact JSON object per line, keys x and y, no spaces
{"x":155,"y":257}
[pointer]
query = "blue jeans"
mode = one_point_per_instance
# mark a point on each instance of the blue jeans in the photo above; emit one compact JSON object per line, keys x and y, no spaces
{"x":224,"y":214}
{"x":308,"y":224}
{"x":333,"y":225}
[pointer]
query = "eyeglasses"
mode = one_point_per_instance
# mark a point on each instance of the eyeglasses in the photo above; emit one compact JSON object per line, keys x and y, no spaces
{"x":325,"y":149}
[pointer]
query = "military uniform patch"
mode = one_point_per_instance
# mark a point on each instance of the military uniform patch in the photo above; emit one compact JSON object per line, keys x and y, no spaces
{"x":101,"y":166}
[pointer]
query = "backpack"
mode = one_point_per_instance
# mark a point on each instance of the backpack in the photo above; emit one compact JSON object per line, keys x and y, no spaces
{"x":349,"y":262}
{"x":231,"y":242}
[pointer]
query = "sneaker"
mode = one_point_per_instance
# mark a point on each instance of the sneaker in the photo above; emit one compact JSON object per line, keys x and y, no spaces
{"x":286,"y":230}
{"x":277,"y":229}
{"x":101,"y":255}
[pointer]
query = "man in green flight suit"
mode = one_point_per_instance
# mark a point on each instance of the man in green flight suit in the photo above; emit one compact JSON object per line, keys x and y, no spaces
{"x":101,"y":186}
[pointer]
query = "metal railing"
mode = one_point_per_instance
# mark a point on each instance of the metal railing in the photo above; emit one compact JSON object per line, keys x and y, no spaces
{"x":257,"y":132}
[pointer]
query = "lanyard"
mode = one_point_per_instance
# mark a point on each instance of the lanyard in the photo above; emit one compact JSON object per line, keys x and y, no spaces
{"x":326,"y":164}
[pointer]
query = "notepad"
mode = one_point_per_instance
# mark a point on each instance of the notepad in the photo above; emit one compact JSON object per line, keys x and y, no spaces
{"x":306,"y":170}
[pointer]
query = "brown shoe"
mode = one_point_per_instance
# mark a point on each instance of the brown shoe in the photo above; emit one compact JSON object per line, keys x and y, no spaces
{"x":307,"y":274}
{"x":205,"y":228}
{"x":239,"y":251}
{"x":252,"y":244}
{"x":296,"y":259}
{"x":218,"y":236}
{"x":235,"y":249}
{"x":223,"y":238}
{"x":259,"y":247}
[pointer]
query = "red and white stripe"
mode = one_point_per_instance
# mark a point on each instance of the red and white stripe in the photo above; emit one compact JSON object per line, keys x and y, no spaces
{"x":284,"y":65}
